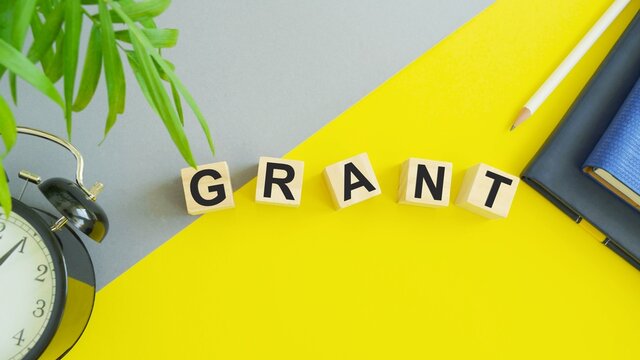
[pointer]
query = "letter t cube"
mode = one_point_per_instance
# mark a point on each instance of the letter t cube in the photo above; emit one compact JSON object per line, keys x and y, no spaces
{"x":487,"y":191}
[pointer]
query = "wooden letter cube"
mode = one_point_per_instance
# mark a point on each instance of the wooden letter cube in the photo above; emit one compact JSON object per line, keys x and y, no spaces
{"x":207,"y":188}
{"x":351,"y":181}
{"x":279,"y":181}
{"x":425,"y":183}
{"x":487,"y":191}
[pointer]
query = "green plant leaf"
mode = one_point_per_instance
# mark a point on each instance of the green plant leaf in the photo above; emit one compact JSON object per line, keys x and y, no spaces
{"x":156,"y":90}
{"x":7,"y":8}
{"x":72,"y":26}
{"x":161,"y":101}
{"x":137,"y":33}
{"x":16,"y":62}
{"x":45,"y":35}
{"x":159,"y":38}
{"x":177,"y":102}
{"x":113,"y":72}
{"x":163,"y":75}
{"x":187,"y":97}
{"x":174,"y":92}
{"x":5,"y":194}
{"x":45,"y":6}
{"x":21,"y":19}
{"x":133,"y":63}
{"x":146,"y":22}
{"x":9,"y":134}
{"x":36,"y":29}
{"x":144,"y":9}
{"x":7,"y":127}
{"x":13,"y":88}
{"x":54,"y":70}
{"x":23,"y":12}
{"x":91,"y":71}
{"x":141,"y":11}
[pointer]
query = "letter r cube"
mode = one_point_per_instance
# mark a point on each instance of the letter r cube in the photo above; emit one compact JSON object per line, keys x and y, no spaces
{"x":279,"y":181}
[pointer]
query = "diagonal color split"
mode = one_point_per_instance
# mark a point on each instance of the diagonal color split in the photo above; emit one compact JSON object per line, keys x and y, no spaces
{"x":384,"y":281}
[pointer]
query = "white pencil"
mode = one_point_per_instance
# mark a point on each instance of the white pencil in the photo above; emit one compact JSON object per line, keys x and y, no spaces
{"x":570,"y":61}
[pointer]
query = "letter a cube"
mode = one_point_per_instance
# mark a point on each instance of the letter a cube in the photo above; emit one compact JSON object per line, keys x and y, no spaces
{"x":351,"y":181}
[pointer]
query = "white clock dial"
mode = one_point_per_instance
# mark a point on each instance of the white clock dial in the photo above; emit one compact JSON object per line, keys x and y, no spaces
{"x":27,"y":287}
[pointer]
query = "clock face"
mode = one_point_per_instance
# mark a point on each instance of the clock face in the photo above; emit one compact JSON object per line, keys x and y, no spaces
{"x":31,"y":290}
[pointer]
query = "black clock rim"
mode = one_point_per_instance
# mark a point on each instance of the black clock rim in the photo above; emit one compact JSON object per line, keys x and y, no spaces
{"x":52,"y":245}
{"x":93,"y":274}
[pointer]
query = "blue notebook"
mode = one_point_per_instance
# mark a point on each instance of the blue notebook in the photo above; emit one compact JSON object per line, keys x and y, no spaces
{"x":556,"y":171}
{"x":615,"y":160}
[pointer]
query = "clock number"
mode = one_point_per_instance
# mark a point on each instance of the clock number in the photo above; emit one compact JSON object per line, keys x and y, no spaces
{"x":42,"y":268}
{"x":38,"y":312}
{"x":2,"y":226}
{"x":23,"y":242}
{"x":19,"y":336}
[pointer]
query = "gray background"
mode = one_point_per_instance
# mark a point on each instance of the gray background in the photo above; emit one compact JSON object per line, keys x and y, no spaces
{"x":266,"y":74}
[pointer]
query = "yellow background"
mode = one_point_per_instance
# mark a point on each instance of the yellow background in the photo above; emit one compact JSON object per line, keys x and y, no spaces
{"x":384,"y":281}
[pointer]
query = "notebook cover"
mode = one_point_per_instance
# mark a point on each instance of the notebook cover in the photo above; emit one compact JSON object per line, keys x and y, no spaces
{"x":618,"y":151}
{"x":556,"y":170}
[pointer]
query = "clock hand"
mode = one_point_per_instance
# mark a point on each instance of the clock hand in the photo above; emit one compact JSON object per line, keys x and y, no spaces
{"x":6,"y":256}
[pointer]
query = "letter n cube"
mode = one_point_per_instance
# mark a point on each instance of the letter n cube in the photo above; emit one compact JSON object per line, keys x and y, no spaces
{"x":425,"y":183}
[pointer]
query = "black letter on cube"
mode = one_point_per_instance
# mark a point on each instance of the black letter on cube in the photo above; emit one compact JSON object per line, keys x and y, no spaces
{"x":218,"y":189}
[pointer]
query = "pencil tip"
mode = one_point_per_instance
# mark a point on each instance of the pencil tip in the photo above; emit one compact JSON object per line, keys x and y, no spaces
{"x":524,"y":114}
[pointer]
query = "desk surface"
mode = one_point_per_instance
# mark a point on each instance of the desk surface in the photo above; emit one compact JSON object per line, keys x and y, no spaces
{"x":381,"y":280}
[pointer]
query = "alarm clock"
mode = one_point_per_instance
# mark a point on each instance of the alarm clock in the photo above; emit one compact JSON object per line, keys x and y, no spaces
{"x":47,"y":280}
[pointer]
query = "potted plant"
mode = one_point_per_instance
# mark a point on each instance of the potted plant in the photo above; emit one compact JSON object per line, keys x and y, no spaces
{"x":120,"y":29}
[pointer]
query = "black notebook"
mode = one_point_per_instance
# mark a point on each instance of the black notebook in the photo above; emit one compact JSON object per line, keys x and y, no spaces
{"x":556,"y":170}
